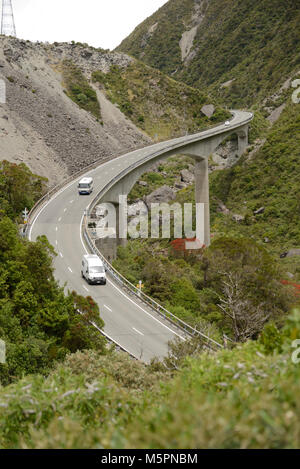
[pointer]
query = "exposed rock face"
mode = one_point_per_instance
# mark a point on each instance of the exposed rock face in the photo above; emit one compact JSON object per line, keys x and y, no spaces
{"x":43,"y":127}
{"x":226,"y":155}
{"x":160,"y":195}
{"x":187,"y":40}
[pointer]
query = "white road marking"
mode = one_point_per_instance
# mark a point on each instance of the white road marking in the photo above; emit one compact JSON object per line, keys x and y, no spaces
{"x":56,"y":229}
{"x":65,"y":210}
{"x":59,"y":219}
{"x":71,"y":201}
{"x":138,"y":331}
{"x":108,"y":308}
{"x":127,"y":297}
{"x":56,"y":242}
{"x":69,"y":268}
{"x":85,"y":288}
{"x":61,"y":255}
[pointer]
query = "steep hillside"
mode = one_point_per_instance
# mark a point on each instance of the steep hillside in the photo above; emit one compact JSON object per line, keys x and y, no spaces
{"x":57,"y":119}
{"x":244,"y":49}
{"x":47,"y":122}
{"x":159,"y":105}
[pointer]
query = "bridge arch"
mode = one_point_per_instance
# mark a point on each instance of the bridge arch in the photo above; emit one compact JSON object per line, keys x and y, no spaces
{"x":199,"y":147}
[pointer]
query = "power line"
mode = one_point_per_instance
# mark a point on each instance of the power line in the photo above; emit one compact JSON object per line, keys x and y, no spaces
{"x":8,"y":27}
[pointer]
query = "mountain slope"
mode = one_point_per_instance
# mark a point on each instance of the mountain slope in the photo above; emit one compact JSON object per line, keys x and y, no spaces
{"x":43,"y":125}
{"x":57,"y":119}
{"x":222,"y":43}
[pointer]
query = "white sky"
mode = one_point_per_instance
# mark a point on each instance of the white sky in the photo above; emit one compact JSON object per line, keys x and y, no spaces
{"x":100,"y":23}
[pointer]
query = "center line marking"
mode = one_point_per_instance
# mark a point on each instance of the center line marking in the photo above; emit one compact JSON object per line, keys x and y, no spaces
{"x":108,"y":308}
{"x":137,"y":331}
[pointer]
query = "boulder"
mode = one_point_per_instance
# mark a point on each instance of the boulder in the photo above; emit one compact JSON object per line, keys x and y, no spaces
{"x":160,"y":195}
{"x":180,"y":185}
{"x":208,"y":110}
{"x":223,"y":209}
{"x":187,"y":176}
{"x":137,"y":209}
{"x":143,"y":183}
{"x":293,"y":253}
{"x":259,"y":211}
{"x":238,"y":218}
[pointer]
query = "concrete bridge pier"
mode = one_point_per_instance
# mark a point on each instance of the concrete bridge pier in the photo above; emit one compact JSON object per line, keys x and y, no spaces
{"x":243,"y":140}
{"x":202,"y":197}
{"x":121,"y":222}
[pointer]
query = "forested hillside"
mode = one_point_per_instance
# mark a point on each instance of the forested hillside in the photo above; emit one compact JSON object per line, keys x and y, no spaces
{"x":243,"y":49}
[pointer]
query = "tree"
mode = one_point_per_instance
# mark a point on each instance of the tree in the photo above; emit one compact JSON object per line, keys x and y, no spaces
{"x":247,"y":280}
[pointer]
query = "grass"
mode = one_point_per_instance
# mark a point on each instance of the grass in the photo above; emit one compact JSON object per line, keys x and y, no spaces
{"x":160,"y":106}
{"x":79,"y":90}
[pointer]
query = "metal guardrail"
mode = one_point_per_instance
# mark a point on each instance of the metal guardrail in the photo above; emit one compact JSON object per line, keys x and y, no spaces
{"x":109,"y":339}
{"x":132,"y":289}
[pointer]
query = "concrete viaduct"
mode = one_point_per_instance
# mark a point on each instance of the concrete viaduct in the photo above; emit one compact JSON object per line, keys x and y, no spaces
{"x":199,"y":146}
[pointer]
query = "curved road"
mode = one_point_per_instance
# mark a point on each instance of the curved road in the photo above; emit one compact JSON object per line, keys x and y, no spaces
{"x":128,"y":323}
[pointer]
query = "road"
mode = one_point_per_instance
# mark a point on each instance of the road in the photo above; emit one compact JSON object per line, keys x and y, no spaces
{"x":128,"y":323}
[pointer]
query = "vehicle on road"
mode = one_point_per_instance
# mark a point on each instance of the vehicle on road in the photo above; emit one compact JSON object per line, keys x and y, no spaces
{"x":93,"y":270}
{"x":227,"y":123}
{"x":85,"y":186}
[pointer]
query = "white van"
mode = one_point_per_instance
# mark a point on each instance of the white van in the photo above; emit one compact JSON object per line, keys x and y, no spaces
{"x":86,"y":186}
{"x":93,"y":270}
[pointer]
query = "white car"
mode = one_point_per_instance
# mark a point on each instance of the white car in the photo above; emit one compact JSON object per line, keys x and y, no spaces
{"x":227,"y":123}
{"x":85,"y":186}
{"x":93,"y":270}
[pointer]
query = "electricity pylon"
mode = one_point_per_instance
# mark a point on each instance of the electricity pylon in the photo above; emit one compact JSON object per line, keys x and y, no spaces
{"x":8,"y":23}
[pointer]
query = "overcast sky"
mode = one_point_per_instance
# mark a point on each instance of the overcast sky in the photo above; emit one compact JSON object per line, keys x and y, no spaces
{"x":100,"y":23}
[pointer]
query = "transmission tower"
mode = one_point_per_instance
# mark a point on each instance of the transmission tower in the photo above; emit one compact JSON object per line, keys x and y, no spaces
{"x":8,"y":23}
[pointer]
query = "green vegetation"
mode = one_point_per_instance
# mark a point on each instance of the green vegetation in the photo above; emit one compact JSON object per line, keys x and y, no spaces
{"x":79,"y":89}
{"x":235,"y":40}
{"x":19,"y":188}
{"x":231,"y":277}
{"x":157,"y":104}
{"x":271,"y":179}
{"x":38,"y":323}
{"x":241,"y":398}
